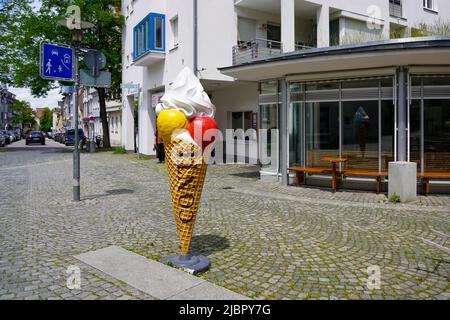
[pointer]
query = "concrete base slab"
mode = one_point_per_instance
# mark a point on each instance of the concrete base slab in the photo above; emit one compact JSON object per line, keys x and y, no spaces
{"x":403,"y":180}
{"x":154,"y":278}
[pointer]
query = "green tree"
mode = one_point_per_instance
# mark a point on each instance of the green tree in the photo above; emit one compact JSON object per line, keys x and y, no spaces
{"x":23,"y":27}
{"x":46,"y":120}
{"x":24,"y":114}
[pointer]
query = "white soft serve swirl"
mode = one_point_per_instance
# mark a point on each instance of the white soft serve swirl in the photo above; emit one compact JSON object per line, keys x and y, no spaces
{"x":187,"y":95}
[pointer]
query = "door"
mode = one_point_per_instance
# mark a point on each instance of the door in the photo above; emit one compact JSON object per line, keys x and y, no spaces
{"x":273,"y":36}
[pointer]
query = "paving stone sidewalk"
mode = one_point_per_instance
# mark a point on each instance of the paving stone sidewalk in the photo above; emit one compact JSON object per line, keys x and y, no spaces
{"x":265,"y":241}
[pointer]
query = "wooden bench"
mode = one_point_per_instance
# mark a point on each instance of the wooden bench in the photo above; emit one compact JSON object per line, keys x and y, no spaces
{"x":379,"y":175}
{"x":300,"y":173}
{"x":425,"y":178}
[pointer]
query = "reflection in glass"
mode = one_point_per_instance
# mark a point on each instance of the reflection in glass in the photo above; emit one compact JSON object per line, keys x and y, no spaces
{"x":322,"y":131}
{"x":295,"y":135}
{"x":269,"y":121}
{"x":437,"y":134}
{"x":360,"y":134}
{"x":415,"y":135}
{"x":387,"y":134}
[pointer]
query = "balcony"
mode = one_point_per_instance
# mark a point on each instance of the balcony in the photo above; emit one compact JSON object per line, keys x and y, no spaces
{"x":396,"y":8}
{"x":257,"y":49}
{"x":248,"y":51}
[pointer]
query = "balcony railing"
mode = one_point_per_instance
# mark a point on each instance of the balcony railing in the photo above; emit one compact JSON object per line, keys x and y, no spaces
{"x":301,"y":47}
{"x":395,"y":9}
{"x":247,"y":51}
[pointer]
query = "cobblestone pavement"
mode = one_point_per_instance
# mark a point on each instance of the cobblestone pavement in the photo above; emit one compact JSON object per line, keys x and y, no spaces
{"x":265,"y":241}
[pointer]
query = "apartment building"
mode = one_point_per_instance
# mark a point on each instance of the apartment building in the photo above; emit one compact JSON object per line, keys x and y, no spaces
{"x":92,"y":122}
{"x":7,"y":99}
{"x":307,"y":68}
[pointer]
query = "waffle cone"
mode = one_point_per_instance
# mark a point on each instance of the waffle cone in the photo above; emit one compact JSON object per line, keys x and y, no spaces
{"x":186,"y":171}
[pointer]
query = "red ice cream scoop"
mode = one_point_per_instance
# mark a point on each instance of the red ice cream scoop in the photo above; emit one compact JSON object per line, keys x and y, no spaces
{"x":199,"y":126}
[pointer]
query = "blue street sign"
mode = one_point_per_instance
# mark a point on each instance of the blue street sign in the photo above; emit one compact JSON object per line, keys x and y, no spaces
{"x":57,"y":62}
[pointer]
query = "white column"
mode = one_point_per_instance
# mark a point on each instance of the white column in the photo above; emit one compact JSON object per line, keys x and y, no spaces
{"x":146,"y":129}
{"x":128,"y":123}
{"x":288,"y":25}
{"x":323,"y":27}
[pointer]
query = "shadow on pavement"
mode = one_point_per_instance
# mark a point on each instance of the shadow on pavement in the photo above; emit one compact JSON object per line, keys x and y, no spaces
{"x":108,"y":193}
{"x":207,"y":244}
{"x":36,"y":148}
{"x":248,"y":175}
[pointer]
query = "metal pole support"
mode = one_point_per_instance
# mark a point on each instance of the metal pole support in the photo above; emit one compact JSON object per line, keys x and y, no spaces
{"x":76,"y":151}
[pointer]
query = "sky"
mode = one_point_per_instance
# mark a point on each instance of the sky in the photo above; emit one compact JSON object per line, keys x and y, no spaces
{"x":51,"y":100}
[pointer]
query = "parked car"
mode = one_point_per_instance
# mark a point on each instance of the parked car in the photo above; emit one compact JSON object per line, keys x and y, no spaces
{"x":70,"y":137}
{"x":18,"y":135}
{"x":2,"y":141}
{"x":12,"y":136}
{"x":35,"y":137}
{"x":49,"y":135}
{"x":59,"y":136}
{"x":6,"y":136}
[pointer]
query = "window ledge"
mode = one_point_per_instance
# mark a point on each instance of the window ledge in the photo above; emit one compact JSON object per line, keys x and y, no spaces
{"x":174,"y":48}
{"x":431,"y":10}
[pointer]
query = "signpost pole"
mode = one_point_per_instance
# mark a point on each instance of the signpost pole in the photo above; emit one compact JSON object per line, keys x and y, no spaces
{"x":76,"y":151}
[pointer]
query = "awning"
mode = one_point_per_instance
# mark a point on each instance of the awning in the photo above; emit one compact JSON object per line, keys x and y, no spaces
{"x":355,"y":59}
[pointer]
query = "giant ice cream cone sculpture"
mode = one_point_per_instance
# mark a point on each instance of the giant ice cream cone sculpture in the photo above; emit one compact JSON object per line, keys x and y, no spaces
{"x":186,"y":178}
{"x":183,"y":117}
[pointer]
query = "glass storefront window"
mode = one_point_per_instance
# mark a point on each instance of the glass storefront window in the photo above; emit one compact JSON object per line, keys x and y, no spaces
{"x":322,"y":86}
{"x":371,"y":83}
{"x":270,"y":147}
{"x":387,"y":133}
{"x":430,"y":123}
{"x":415,"y":134}
{"x":322,"y":131}
{"x":332,"y":119}
{"x":269,"y":87}
{"x":296,"y":135}
{"x":437,"y":134}
{"x":360,"y":134}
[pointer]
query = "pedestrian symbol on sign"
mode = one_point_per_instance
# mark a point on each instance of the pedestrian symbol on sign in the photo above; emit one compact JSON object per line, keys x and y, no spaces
{"x":49,"y":67}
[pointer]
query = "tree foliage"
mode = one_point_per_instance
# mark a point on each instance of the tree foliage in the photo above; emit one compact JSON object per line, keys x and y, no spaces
{"x":23,"y":27}
{"x":24,"y":113}
{"x":46,"y":120}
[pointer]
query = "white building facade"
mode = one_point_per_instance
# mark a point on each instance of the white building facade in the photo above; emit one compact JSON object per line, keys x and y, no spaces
{"x":161,"y":37}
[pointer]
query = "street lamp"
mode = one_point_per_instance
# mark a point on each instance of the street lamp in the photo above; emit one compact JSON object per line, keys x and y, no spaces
{"x":77,"y":28}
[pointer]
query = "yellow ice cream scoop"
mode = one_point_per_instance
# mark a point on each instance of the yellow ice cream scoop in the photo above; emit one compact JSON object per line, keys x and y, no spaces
{"x":170,"y":120}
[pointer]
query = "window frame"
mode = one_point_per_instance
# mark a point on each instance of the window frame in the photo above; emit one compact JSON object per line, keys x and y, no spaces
{"x":430,"y":5}
{"x":144,"y":35}
{"x":174,"y":28}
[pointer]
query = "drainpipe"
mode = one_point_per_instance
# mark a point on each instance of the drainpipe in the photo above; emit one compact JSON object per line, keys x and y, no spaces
{"x":402,"y":137}
{"x":195,"y":65}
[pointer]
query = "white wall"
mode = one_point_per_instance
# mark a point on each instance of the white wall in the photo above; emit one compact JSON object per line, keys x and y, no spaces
{"x":355,"y":31}
{"x":414,"y":13}
{"x":243,"y":97}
